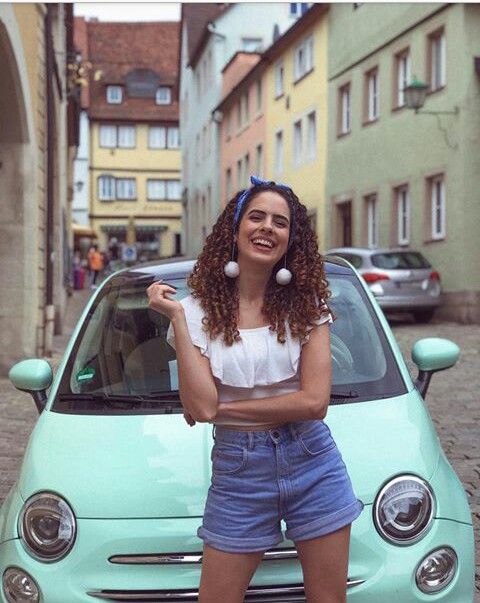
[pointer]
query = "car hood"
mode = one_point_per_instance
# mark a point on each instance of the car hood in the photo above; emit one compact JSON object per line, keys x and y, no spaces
{"x":141,"y":466}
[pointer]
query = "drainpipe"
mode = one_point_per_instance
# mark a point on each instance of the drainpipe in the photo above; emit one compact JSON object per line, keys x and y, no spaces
{"x":49,"y":259}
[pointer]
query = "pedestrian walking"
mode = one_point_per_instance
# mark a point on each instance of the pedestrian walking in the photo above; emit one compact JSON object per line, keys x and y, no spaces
{"x":95,"y":264}
{"x":253,"y":353}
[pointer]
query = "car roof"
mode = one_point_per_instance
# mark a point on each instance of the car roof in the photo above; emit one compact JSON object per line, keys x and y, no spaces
{"x":176,"y":268}
{"x":368,"y":251}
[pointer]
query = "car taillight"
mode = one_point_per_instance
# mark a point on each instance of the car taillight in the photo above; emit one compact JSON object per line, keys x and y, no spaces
{"x":434,"y":276}
{"x":373,"y":277}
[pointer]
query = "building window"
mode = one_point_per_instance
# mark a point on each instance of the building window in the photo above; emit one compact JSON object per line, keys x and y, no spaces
{"x":259,"y":160}
{"x":297,"y":9}
{"x":372,"y":221}
{"x":344,"y":109}
{"x":228,"y":125}
{"x":157,"y":137}
{"x":437,"y":59}
{"x":258,"y":89}
{"x":228,"y":184}
{"x":311,"y":136}
{"x":126,"y":137}
{"x":108,"y":136}
{"x":297,"y":143}
{"x":114,"y":95}
{"x":403,"y":76}
{"x":197,"y":149}
{"x":239,"y":174}
{"x":163,"y":95}
{"x":303,"y":61}
{"x":156,"y":190}
{"x":403,"y":215}
{"x":246,"y":171}
{"x":252,"y":44}
{"x":106,"y":188}
{"x":279,"y":79}
{"x":173,"y":137}
{"x":279,"y":152}
{"x":174,"y":190}
{"x":126,"y":189}
{"x":371,"y":82}
{"x":245,"y":109}
{"x":239,"y":115}
{"x":437,"y":207}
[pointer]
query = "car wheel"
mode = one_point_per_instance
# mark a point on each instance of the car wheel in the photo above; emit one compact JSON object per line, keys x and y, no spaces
{"x":423,"y":315}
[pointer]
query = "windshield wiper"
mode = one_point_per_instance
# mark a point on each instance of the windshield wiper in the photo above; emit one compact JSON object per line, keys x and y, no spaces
{"x":122,"y":400}
{"x":347,"y":395}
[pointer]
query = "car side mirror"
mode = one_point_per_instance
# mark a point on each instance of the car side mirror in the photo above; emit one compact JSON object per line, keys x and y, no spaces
{"x":432,"y":354}
{"x":33,"y":376}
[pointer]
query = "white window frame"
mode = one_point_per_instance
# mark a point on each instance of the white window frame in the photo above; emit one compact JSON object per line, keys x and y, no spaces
{"x":126,"y":137}
{"x":107,"y":136}
{"x":279,"y":151}
{"x":311,"y":136}
{"x":239,"y":174}
{"x":259,"y":160}
{"x":279,"y":79}
{"x":245,"y":106}
{"x":372,"y":95}
{"x":259,"y":95}
{"x":297,"y":140}
{"x":157,"y":137}
{"x":129,"y":193}
{"x":303,"y":58}
{"x":174,"y":190}
{"x":106,"y":188}
{"x":372,"y":221}
{"x":437,"y":207}
{"x":438,"y":52}
{"x":156,"y":189}
{"x":173,"y":137}
{"x":345,"y":108}
{"x":404,"y":68}
{"x":228,"y":184}
{"x":403,"y":215}
{"x":163,"y":95}
{"x":251,"y":44}
{"x":114,"y":95}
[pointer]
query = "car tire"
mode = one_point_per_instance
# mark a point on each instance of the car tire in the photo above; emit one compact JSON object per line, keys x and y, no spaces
{"x":423,"y":315}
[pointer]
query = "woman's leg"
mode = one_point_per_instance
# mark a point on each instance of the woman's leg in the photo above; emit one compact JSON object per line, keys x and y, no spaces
{"x":226,"y":576}
{"x":325,"y":565}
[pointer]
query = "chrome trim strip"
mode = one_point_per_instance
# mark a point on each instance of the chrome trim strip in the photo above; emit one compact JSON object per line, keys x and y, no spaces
{"x":174,"y":558}
{"x":294,"y":594}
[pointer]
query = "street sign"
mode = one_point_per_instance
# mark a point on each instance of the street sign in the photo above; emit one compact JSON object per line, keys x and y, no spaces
{"x":129,"y":253}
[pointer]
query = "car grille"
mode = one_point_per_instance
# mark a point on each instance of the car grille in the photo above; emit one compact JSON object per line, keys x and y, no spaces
{"x":290,"y":593}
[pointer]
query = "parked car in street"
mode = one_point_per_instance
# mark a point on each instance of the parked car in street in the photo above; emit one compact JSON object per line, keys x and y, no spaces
{"x":113,"y":482}
{"x":401,"y":279}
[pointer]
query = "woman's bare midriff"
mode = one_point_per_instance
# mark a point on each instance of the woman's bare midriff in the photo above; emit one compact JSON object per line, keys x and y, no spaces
{"x":253,"y":427}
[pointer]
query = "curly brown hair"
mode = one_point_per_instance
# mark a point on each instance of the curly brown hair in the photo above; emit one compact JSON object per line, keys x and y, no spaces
{"x":295,"y":303}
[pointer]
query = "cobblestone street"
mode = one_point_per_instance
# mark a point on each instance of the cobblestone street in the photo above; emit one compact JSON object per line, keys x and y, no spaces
{"x":452,"y":399}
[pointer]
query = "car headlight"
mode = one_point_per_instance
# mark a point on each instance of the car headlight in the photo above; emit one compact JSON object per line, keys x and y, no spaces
{"x":436,"y":570}
{"x":404,"y":509}
{"x":47,"y":527}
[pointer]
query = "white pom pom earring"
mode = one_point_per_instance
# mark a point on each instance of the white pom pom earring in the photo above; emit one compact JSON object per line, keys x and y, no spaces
{"x":231,"y":268}
{"x":284,"y":276}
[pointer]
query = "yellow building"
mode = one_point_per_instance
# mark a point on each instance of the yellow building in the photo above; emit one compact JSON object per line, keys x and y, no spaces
{"x":134,"y":150}
{"x":296,"y":112}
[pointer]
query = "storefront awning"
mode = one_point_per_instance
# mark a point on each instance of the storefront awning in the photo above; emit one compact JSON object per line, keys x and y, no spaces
{"x":79,"y":230}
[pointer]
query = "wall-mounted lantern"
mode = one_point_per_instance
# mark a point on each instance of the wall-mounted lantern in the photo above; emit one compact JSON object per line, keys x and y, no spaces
{"x":415,"y":95}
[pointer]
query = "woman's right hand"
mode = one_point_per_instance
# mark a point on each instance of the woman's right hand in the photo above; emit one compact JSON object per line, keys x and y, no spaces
{"x":158,"y":300}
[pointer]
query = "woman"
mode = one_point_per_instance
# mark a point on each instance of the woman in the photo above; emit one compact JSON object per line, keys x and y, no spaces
{"x":253,"y":353}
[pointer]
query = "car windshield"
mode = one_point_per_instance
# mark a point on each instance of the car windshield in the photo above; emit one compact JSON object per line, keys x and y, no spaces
{"x":121,"y":361}
{"x":400,"y":260}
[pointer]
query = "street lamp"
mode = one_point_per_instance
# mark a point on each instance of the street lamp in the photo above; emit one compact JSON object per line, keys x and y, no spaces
{"x":415,"y":94}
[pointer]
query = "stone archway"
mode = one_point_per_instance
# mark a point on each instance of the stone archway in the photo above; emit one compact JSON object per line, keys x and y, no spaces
{"x":19,"y":302}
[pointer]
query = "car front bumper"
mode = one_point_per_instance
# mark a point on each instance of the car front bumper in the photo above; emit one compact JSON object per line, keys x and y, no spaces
{"x":378,"y":571}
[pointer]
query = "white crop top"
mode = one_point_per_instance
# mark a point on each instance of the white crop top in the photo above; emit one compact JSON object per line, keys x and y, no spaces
{"x":258,"y":366}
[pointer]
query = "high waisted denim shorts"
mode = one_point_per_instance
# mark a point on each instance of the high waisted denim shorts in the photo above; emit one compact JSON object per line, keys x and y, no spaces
{"x":294,"y":472}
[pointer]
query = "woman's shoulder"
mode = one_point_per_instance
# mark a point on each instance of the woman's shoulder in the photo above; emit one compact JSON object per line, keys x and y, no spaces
{"x":193,"y":308}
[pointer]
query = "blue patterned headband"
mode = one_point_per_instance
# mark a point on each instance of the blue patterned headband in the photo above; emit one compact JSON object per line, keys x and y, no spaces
{"x":246,"y":194}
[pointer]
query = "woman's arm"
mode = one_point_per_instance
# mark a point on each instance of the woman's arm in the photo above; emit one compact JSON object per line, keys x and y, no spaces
{"x":198,"y":391}
{"x":310,"y":402}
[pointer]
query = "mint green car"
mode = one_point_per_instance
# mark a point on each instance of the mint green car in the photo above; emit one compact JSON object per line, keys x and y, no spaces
{"x":113,"y":483}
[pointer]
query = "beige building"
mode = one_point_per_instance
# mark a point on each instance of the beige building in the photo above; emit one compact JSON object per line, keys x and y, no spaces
{"x":134,"y":137}
{"x":37,"y":144}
